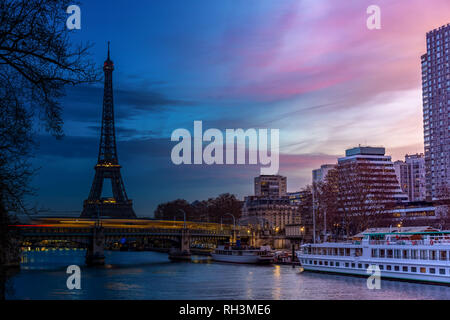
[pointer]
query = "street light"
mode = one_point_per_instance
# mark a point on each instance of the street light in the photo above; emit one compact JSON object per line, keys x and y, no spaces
{"x":184,"y":217}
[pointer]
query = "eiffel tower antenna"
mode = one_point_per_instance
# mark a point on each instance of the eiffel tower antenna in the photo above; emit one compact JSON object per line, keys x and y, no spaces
{"x":107,"y":167}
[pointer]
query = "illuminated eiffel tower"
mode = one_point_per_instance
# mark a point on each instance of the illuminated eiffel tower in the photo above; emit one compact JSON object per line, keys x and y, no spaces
{"x":107,"y":167}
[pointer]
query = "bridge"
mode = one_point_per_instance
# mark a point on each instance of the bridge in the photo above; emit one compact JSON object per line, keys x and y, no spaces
{"x":143,"y":234}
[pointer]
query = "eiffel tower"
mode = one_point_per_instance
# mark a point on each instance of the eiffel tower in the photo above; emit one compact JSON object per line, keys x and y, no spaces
{"x":107,"y":167}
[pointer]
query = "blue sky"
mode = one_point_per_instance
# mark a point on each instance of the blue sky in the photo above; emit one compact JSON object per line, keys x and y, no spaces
{"x":309,"y":68}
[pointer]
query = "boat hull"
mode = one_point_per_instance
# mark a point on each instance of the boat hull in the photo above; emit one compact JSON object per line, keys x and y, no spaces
{"x":384,"y":275}
{"x":239,"y":259}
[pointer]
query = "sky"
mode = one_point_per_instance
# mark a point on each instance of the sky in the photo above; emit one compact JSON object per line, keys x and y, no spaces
{"x":310,"y":68}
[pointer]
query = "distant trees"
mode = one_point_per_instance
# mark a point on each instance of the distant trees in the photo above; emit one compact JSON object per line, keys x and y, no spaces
{"x":211,"y":210}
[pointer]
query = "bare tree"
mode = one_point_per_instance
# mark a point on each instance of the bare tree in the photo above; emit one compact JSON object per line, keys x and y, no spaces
{"x":37,"y":62}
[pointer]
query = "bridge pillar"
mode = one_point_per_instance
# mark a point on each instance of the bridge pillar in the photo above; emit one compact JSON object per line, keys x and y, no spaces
{"x":95,"y":251}
{"x":185,"y":241}
{"x":184,"y":252}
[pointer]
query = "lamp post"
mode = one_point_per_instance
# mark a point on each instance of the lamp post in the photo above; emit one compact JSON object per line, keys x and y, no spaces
{"x":234,"y":221}
{"x":184,"y":217}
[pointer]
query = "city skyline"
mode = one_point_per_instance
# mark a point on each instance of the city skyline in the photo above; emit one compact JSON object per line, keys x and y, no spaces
{"x":288,"y":85}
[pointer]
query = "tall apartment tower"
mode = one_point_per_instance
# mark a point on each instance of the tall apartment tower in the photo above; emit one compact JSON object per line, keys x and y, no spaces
{"x":270,"y":186}
{"x":436,"y":107}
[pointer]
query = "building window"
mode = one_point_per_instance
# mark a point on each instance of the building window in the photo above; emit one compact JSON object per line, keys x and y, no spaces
{"x":424,"y":254}
{"x":374,"y":253}
{"x":432,"y":254}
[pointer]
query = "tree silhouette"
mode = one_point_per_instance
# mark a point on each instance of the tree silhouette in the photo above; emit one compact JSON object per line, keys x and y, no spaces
{"x":37,"y":61}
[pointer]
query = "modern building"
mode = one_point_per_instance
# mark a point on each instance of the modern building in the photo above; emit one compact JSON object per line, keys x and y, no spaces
{"x":298,"y":197}
{"x":270,"y":186}
{"x":370,"y":168}
{"x":319,"y":175}
{"x":270,"y":212}
{"x":411,"y":176}
{"x":436,"y":107}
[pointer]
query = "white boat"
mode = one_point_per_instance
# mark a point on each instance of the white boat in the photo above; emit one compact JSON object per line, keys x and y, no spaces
{"x":238,"y":254}
{"x":412,"y":256}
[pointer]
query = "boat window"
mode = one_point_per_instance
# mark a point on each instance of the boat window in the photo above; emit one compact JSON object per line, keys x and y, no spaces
{"x":443,"y":255}
{"x":359,"y":265}
{"x":414,"y":254}
{"x":335,"y":251}
{"x":326,"y":263}
{"x":405,"y":269}
{"x":432,"y":270}
{"x":382,"y":253}
{"x":424,"y":254}
{"x":381,"y":267}
{"x":389,"y":253}
{"x":366,"y":266}
{"x":310,"y":261}
{"x":397,"y":254}
{"x":320,"y":263}
{"x":423,"y":270}
{"x":433,"y":255}
{"x":347,"y":251}
{"x":396,"y":268}
{"x":315,"y":262}
{"x":413,"y":269}
{"x":374,"y":253}
{"x":353,"y":265}
{"x":358,"y":252}
{"x":341,"y":251}
{"x":337,"y":264}
{"x":347,"y":264}
{"x":388,"y":267}
{"x":405,"y":254}
{"x":441,"y":271}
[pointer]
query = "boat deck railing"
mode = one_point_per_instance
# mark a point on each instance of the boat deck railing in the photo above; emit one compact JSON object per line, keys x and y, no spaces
{"x":410,"y":242}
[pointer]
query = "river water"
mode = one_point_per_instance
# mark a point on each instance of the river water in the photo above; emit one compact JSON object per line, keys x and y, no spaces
{"x":150,"y":275}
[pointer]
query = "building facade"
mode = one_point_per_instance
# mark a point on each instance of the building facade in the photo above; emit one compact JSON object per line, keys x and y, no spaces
{"x":371,"y":168}
{"x":411,"y":176}
{"x":270,"y":186}
{"x":319,"y":175}
{"x":436,"y":107}
{"x":270,"y":212}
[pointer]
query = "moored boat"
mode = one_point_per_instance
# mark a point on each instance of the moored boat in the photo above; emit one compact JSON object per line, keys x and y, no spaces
{"x":411,"y":255}
{"x":243,"y":254}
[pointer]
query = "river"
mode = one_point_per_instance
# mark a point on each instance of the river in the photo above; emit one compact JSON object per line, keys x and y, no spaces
{"x":150,"y":275}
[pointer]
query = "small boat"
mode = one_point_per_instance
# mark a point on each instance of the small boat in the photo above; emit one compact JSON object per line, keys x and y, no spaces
{"x":242,"y":254}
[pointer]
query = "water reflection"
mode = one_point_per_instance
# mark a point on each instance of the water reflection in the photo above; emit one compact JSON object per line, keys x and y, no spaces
{"x":150,"y":275}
